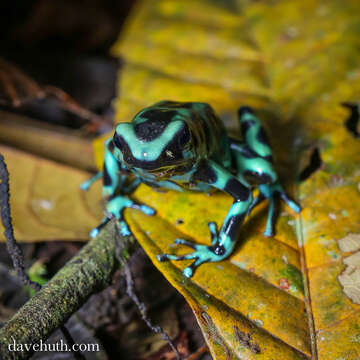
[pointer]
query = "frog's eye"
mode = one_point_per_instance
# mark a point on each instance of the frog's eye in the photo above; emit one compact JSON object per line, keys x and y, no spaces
{"x":118,"y":141}
{"x":184,"y":136}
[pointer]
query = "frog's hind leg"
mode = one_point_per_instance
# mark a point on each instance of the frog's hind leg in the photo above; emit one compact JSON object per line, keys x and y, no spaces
{"x":253,"y":158}
{"x":253,"y":133}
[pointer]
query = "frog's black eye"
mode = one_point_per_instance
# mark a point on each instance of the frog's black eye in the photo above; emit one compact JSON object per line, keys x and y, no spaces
{"x":118,"y":141}
{"x":184,"y":137}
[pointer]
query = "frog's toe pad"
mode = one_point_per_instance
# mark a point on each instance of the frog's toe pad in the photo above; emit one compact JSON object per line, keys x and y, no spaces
{"x":94,"y":233}
{"x":295,"y":207}
{"x":85,"y":186}
{"x":188,"y":272}
{"x":291,"y":203}
{"x":269,"y":233}
{"x":147,"y":210}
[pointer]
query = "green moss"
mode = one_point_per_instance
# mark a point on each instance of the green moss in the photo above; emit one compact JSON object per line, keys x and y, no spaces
{"x":37,"y":273}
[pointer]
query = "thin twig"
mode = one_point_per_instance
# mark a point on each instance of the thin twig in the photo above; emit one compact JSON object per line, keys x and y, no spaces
{"x":68,"y":103}
{"x":130,"y":290}
{"x":11,"y":244}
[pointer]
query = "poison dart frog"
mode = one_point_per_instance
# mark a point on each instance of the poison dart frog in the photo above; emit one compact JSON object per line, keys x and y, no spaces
{"x":184,"y":146}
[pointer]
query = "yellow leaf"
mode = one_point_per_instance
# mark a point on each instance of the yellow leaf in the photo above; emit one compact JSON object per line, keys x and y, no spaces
{"x":296,"y":62}
{"x":46,"y":201}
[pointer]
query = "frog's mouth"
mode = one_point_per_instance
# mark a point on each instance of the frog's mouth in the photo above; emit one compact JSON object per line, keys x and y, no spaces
{"x":167,"y":172}
{"x":163,"y":173}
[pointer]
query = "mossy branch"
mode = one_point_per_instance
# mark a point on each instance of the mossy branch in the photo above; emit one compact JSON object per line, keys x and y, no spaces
{"x":89,"y":271}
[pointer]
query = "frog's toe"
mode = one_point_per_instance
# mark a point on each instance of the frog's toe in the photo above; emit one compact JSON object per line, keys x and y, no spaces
{"x":166,"y":257}
{"x":269,"y":232}
{"x":85,"y":186}
{"x":95,"y":232}
{"x":189,"y":270}
{"x":144,"y":208}
{"x":214,"y":233}
{"x":202,"y":254}
{"x":147,"y":210}
{"x":291,"y":203}
{"x":186,"y":243}
{"x":124,"y":228}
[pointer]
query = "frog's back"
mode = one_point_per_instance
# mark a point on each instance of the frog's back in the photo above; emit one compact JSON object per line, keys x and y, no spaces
{"x":208,"y":132}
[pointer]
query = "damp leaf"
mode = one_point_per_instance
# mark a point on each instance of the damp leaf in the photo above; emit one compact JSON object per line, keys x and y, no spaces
{"x":295,"y":62}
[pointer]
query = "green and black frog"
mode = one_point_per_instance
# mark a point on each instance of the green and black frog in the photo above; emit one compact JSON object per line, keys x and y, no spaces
{"x":184,"y":146}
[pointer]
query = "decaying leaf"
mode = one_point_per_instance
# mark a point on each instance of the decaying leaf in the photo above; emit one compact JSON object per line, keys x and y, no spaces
{"x":350,"y":277}
{"x":350,"y":242}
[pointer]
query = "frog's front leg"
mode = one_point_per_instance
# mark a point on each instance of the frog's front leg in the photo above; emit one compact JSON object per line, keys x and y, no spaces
{"x":223,"y":241}
{"x":115,"y":207}
{"x":114,"y":180}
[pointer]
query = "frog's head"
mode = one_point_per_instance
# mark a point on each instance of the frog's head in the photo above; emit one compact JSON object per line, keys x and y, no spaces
{"x":158,"y":141}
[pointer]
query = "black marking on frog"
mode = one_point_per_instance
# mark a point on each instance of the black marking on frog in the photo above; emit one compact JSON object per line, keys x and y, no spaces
{"x":237,"y":189}
{"x":155,"y":124}
{"x":205,"y":173}
{"x":232,"y":226}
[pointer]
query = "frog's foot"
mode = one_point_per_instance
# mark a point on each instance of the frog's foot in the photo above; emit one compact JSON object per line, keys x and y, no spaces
{"x":115,"y":208}
{"x":202,"y":253}
{"x":271,"y":192}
